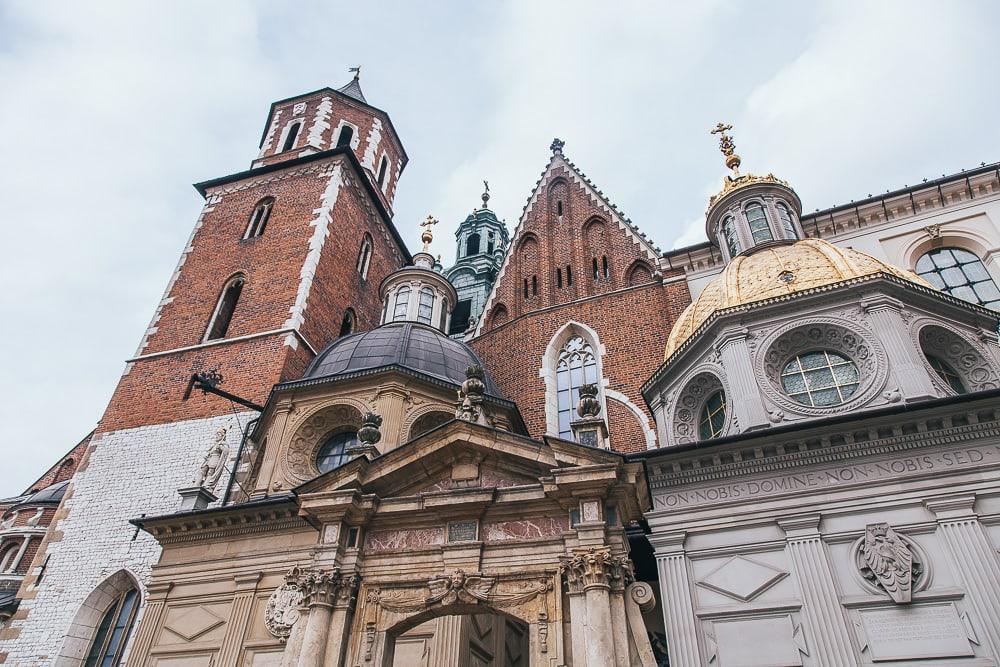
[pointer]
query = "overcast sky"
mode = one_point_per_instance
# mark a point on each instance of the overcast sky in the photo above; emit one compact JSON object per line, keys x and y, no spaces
{"x":109,"y":111}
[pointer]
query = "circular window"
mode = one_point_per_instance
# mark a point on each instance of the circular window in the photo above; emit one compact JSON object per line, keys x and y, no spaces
{"x":332,"y":454}
{"x":713,"y":416}
{"x":947,"y":373}
{"x":820,"y":379}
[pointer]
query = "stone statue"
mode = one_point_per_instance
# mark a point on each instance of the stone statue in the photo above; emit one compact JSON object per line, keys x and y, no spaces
{"x":214,"y":461}
{"x":887,"y":561}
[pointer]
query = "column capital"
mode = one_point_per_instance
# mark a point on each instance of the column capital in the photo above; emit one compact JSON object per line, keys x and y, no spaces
{"x":327,"y":588}
{"x":876,"y":302}
{"x":667,"y":544}
{"x":801,"y":526}
{"x":595,"y":567}
{"x":952,"y":507}
{"x":247,"y":581}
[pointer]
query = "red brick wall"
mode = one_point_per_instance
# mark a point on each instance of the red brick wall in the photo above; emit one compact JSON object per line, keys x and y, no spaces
{"x":64,"y":468}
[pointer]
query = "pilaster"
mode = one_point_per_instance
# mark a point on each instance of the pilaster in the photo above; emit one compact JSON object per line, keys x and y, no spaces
{"x":735,"y":354}
{"x":678,"y":605}
{"x":239,"y":619}
{"x":824,"y":615}
{"x":156,"y":600}
{"x":904,"y":358}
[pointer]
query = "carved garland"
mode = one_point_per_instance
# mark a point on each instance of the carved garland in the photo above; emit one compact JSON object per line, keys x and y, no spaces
{"x":686,"y":411}
{"x":965,"y":357}
{"x":822,"y":333}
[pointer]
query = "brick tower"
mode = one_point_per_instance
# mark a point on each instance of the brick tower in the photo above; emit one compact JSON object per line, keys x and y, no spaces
{"x":284,"y":257}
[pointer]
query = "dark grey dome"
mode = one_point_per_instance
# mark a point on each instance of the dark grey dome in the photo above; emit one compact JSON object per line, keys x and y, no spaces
{"x":415,"y":346}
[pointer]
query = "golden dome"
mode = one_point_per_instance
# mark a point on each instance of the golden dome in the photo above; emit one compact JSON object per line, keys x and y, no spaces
{"x":774,"y":272}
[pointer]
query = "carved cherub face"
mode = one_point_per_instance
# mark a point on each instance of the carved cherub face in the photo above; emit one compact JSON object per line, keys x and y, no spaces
{"x":457,"y":579}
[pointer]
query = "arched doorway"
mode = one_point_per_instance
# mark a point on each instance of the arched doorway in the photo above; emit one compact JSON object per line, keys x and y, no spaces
{"x":480,"y":637}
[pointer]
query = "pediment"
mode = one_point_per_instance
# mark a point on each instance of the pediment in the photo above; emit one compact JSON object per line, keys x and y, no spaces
{"x":457,"y":455}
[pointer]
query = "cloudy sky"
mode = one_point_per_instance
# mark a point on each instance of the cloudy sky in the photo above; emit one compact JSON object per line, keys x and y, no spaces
{"x":110,"y":110}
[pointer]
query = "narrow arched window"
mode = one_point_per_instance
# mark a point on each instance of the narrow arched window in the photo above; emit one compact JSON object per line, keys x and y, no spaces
{"x":425,"y":308}
{"x":348,"y":323}
{"x":291,"y":136}
{"x":365,"y":256}
{"x":383,"y":166}
{"x":472,"y":245}
{"x":729,"y":233}
{"x":346,"y":134}
{"x":959,"y":273}
{"x":224,"y":310}
{"x":113,"y":631}
{"x":558,"y":277}
{"x":559,"y":207}
{"x":443,"y":318}
{"x":534,"y":285}
{"x":597,"y":272}
{"x":785,"y":216}
{"x":569,"y":274}
{"x":576,"y":367}
{"x":402,"y":303}
{"x":525,"y":288}
{"x":258,"y":218}
{"x":491,"y":242}
{"x":760,"y":230}
{"x":604,"y":267}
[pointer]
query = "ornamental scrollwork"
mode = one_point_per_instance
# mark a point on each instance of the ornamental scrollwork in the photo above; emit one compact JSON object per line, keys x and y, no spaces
{"x":300,"y":457}
{"x":686,"y":411}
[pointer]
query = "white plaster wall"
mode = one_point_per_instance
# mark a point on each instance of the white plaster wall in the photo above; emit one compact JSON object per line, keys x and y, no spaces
{"x":130,"y":473}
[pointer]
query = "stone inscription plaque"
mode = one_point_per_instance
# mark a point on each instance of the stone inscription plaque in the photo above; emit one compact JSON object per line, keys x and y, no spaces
{"x":914,"y":632}
{"x":826,"y":478}
{"x":462,"y":531}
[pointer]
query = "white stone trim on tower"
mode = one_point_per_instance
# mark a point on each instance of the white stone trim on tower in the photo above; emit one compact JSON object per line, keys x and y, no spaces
{"x":320,"y":124}
{"x":374,"y":138}
{"x":269,"y":139}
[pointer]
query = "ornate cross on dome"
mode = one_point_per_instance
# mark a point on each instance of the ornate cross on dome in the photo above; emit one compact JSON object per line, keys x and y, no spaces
{"x":427,"y":236}
{"x":486,"y":194}
{"x":728,"y":147}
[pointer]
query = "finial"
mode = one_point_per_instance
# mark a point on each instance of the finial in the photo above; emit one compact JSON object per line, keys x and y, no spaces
{"x":727,"y":147}
{"x":557,"y":146}
{"x":356,"y":71}
{"x":427,"y":236}
{"x":486,"y":194}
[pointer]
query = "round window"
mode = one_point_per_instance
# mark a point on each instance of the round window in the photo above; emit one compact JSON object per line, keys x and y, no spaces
{"x":947,"y":373}
{"x":332,"y":454}
{"x":713,"y":416}
{"x":820,"y":379}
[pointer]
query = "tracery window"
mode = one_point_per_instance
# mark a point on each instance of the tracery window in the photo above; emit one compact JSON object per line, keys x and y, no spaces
{"x":820,"y":379}
{"x":259,"y":217}
{"x":425,"y":308}
{"x":333,"y":453}
{"x":760,"y":230}
{"x":729,"y":233}
{"x":713,"y":416}
{"x":959,"y":273}
{"x":576,"y":367}
{"x":785,"y":216}
{"x":113,"y":631}
{"x":402,"y":303}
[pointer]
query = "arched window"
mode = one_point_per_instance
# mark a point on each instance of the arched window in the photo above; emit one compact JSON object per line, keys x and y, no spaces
{"x":558,"y":277}
{"x":569,"y":275}
{"x":258,"y":218}
{"x":472,"y":245}
{"x":785,"y":216}
{"x":425,"y":309}
{"x":559,"y":208}
{"x":382,"y":167}
{"x":534,"y":285}
{"x":365,"y":256}
{"x":402,"y":303}
{"x":224,"y":310}
{"x":7,"y":561}
{"x":729,"y":233}
{"x":597,"y":272}
{"x":491,"y":242}
{"x":604,"y":267}
{"x":333,"y":453}
{"x":959,"y":273}
{"x":443,"y":318}
{"x":576,"y":367}
{"x":346,"y":134}
{"x":291,"y":136}
{"x":348,"y":323}
{"x":760,"y":231}
{"x":713,"y":416}
{"x":113,"y":631}
{"x":525,"y":288}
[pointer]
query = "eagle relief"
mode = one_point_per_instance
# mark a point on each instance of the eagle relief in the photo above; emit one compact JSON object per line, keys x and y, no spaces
{"x":887,"y":562}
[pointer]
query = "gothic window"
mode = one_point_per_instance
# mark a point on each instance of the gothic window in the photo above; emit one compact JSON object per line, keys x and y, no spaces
{"x":604,"y":267}
{"x":491,"y":242}
{"x":558,"y":277}
{"x":224,"y":310}
{"x":713,"y":416}
{"x":785,"y":216}
{"x":425,"y":308}
{"x":959,"y":273}
{"x":760,"y":230}
{"x":472,"y":245}
{"x":525,"y":288}
{"x":258,"y":218}
{"x":346,"y":134}
{"x":569,"y":275}
{"x":820,"y":379}
{"x":460,"y":317}
{"x":640,"y":273}
{"x":576,"y":367}
{"x":597,"y":273}
{"x":729,"y":233}
{"x":290,"y":136}
{"x":333,"y":453}
{"x":402,"y":303}
{"x":382,"y":167}
{"x":559,"y":208}
{"x":365,"y":256}
{"x":534,"y":285}
{"x":499,"y":316}
{"x":348,"y":323}
{"x":113,"y":631}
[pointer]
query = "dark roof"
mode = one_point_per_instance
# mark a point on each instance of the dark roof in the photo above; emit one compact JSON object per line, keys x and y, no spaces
{"x":415,"y":346}
{"x":353,"y":89}
{"x":51,"y":494}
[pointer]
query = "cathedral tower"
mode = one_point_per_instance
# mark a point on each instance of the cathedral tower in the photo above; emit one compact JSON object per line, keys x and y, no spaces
{"x":284,"y":258}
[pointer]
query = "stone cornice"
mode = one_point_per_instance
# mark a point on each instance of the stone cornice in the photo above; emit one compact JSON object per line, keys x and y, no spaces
{"x":211,"y":525}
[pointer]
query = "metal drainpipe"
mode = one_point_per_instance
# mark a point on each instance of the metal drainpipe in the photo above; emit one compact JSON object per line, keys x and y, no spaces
{"x":239,"y":455}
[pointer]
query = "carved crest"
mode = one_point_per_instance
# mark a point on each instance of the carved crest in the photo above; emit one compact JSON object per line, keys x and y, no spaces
{"x":888,"y":562}
{"x":282,"y":610}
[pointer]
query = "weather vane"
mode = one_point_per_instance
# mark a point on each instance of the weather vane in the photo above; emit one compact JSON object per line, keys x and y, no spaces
{"x":356,"y":71}
{"x":427,"y":235}
{"x":486,"y":194}
{"x":728,"y":147}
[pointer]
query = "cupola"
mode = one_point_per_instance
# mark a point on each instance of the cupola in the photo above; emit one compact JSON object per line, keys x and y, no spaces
{"x":419,"y":293}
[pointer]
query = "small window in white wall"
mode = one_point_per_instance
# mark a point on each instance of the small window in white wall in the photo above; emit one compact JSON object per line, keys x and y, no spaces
{"x":382,"y":169}
{"x":291,"y":135}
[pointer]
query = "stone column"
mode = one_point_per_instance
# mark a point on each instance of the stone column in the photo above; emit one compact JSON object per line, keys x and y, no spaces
{"x":679,"y":620}
{"x":319,"y":590}
{"x":156,"y":600}
{"x":620,"y":577}
{"x":239,"y":619}
{"x":904,"y":358}
{"x":830,"y":641}
{"x":343,"y":613}
{"x":592,"y":570}
{"x":975,"y":560}
{"x":735,"y":355}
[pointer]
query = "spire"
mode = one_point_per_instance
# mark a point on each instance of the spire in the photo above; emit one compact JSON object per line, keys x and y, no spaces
{"x":486,"y":194}
{"x":353,"y":89}
{"x":728,"y":148}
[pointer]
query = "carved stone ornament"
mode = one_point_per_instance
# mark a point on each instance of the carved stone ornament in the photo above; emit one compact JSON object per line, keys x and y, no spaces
{"x":282,"y":610}
{"x":459,"y":587}
{"x":214,"y":461}
{"x":588,"y":405}
{"x":470,"y":396}
{"x":369,"y":432}
{"x":594,"y":567}
{"x":327,"y":587}
{"x":887,"y":562}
